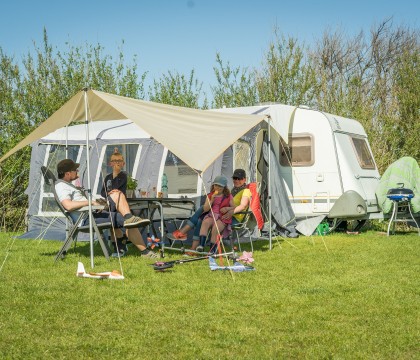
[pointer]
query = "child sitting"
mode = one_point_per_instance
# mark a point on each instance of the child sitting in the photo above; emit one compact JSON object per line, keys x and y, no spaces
{"x":218,"y":198}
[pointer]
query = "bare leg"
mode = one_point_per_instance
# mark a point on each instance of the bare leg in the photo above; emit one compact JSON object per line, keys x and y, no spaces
{"x":205,"y":226}
{"x":219,"y":226}
{"x":194,"y":244}
{"x":135,"y":237}
{"x":121,"y":203}
{"x":116,"y":233}
{"x":185,"y":229}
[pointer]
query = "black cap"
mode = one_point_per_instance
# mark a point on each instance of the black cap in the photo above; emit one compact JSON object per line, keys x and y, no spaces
{"x":239,"y":173}
{"x":66,"y":165}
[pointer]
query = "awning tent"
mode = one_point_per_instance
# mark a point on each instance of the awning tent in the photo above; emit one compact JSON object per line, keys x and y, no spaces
{"x":198,"y":137}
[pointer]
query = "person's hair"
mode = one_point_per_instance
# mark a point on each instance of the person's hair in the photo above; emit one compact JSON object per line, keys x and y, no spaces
{"x":60,"y":175}
{"x":226,"y":191}
{"x":117,"y":154}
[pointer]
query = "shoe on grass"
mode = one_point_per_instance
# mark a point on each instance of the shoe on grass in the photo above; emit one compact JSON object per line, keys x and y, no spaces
{"x":118,"y":254}
{"x":199,"y":248}
{"x":148,"y":254}
{"x":177,"y":235}
{"x":135,"y":221}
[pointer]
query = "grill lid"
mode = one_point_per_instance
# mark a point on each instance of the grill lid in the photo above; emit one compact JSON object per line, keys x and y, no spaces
{"x":400,"y":193}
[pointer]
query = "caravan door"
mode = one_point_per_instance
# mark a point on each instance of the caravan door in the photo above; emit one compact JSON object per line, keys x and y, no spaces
{"x":358,"y":168}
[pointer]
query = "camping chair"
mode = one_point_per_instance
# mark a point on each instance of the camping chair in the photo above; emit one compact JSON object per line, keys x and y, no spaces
{"x":254,"y":213}
{"x":76,"y":226}
{"x":241,"y":229}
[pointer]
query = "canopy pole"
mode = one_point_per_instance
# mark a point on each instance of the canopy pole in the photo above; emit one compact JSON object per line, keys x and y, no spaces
{"x":89,"y":190}
{"x":269,"y":183}
{"x":67,"y":156}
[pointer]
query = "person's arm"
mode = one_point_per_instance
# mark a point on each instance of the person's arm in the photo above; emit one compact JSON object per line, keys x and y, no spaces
{"x":65,"y":195}
{"x":71,"y":205}
{"x":209,"y":201}
{"x":123,"y":185}
{"x":245,"y":201}
{"x":228,"y":212}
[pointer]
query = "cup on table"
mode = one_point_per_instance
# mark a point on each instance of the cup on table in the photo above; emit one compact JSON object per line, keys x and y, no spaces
{"x":160,"y":194}
{"x":143,"y":193}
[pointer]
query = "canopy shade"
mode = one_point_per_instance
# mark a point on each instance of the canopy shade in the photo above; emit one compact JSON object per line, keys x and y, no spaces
{"x":198,"y":137}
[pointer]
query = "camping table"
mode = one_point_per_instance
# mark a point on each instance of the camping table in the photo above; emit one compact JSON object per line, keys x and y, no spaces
{"x":152,"y":204}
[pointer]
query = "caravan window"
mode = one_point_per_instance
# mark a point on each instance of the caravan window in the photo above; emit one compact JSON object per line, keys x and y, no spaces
{"x":128,"y":151}
{"x":181,"y":178}
{"x":241,"y":156}
{"x":299,"y":151}
{"x":363,"y":153}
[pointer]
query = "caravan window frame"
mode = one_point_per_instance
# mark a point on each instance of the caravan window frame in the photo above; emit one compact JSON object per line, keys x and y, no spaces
{"x":283,"y":147}
{"x":363,"y":154}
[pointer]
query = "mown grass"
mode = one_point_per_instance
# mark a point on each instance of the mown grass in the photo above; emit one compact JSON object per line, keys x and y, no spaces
{"x":338,"y":297}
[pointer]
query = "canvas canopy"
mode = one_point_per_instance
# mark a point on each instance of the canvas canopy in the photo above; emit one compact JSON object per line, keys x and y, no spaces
{"x":207,"y":133}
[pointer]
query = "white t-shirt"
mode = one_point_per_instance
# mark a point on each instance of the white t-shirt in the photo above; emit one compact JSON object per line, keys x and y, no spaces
{"x":66,"y":191}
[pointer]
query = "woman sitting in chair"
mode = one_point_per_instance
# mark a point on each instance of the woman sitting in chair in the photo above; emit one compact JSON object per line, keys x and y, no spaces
{"x":241,"y":201}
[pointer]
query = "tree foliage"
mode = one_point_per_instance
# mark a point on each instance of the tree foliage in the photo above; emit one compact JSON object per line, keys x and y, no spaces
{"x":31,"y":92}
{"x":235,"y":87}
{"x":177,"y":89}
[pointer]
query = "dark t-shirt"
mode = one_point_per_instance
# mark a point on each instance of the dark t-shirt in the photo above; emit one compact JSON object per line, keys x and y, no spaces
{"x":119,"y":183}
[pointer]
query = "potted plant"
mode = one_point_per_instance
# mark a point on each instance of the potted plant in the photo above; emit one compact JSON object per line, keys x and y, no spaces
{"x":131,"y":186}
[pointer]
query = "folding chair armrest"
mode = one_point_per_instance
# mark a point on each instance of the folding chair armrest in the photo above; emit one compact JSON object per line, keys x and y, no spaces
{"x":244,"y":212}
{"x":94,"y":207}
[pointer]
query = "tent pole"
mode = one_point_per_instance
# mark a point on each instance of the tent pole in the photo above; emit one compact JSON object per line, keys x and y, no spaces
{"x":67,"y":156}
{"x":269,"y":182}
{"x":89,"y":190}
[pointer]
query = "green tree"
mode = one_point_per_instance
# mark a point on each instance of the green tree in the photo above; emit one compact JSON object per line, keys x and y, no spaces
{"x":177,"y":89}
{"x":286,"y":75}
{"x":235,"y":86}
{"x":35,"y":89}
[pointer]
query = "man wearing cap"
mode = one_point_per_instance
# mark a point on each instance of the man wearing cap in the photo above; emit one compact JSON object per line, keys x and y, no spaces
{"x":241,"y":200}
{"x":72,"y":198}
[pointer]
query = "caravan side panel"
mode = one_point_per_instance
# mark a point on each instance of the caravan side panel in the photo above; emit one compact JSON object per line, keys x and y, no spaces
{"x":313,"y":188}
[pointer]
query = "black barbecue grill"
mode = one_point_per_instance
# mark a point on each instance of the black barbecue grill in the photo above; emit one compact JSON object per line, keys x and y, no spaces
{"x":401,"y":198}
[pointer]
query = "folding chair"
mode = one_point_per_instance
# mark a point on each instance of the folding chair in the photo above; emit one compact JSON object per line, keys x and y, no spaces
{"x":75,"y":226}
{"x":254,"y":212}
{"x":242,"y":228}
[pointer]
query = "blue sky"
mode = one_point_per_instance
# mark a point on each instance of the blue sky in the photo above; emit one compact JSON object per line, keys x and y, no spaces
{"x":181,"y":35}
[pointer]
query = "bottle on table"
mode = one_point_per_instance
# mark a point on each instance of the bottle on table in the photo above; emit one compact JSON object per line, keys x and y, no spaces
{"x":164,"y":186}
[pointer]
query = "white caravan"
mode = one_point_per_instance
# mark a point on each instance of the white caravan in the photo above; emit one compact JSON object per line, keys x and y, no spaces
{"x":327,"y":166}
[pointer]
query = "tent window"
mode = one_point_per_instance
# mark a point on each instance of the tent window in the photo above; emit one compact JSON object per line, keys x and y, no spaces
{"x":299,"y":151}
{"x":55,"y":154}
{"x":363,"y":153}
{"x":241,"y":155}
{"x":128,"y":151}
{"x":181,"y":178}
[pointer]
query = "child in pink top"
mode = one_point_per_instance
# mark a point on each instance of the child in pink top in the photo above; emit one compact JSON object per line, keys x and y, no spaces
{"x":218,"y":198}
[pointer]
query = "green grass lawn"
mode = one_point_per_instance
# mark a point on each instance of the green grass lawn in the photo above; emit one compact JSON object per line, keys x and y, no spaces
{"x":338,"y":297}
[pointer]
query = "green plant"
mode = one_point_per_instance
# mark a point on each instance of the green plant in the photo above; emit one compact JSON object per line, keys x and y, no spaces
{"x":131,"y":183}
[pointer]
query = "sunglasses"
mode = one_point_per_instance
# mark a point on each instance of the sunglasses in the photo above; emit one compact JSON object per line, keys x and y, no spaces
{"x":117,"y":161}
{"x":236,"y":178}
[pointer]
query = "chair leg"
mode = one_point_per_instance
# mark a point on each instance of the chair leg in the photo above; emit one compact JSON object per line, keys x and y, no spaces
{"x":237,"y":239}
{"x":250,"y":240}
{"x":67,"y":244}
